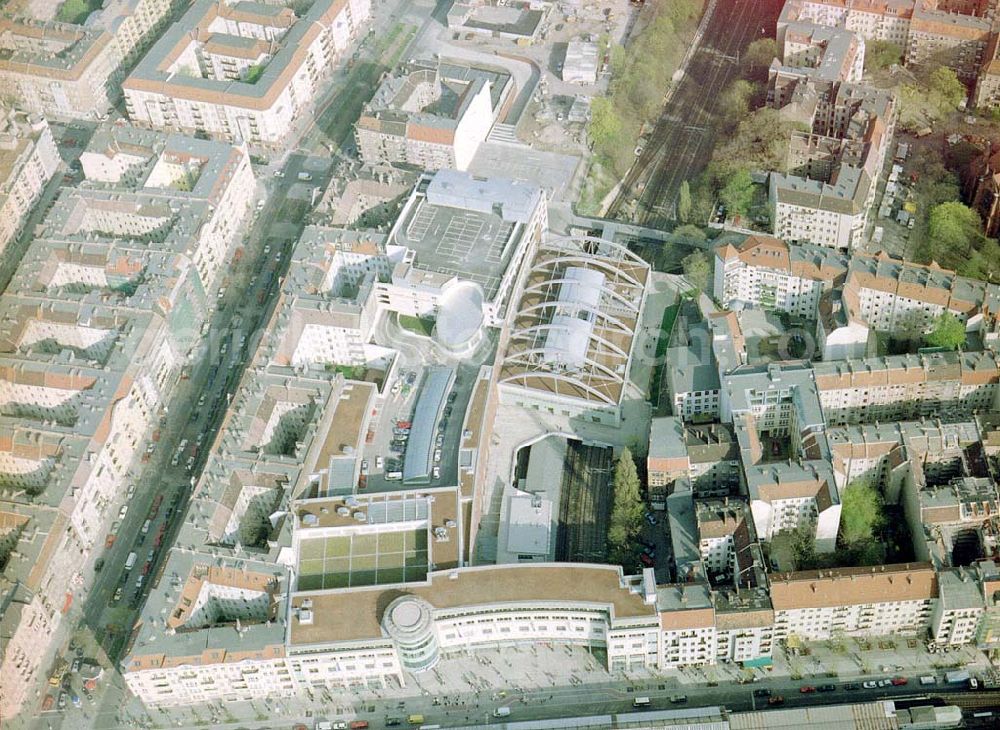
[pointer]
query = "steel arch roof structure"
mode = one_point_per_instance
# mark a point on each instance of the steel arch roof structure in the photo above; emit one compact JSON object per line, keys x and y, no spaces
{"x":577,"y":316}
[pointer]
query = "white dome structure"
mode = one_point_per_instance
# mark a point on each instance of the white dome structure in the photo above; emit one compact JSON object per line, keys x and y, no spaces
{"x":459,"y":327}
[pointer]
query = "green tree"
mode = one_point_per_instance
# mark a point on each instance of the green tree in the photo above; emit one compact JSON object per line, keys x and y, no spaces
{"x":760,"y":142}
{"x":737,"y":193}
{"x":697,"y":269}
{"x":605,"y":125}
{"x":618,"y":59}
{"x":760,"y":53}
{"x":945,"y":89}
{"x":626,"y":513}
{"x":860,"y":512}
{"x":690,"y":232}
{"x":948,"y":332}
{"x":954,"y":231}
{"x":735,"y":101}
{"x":684,"y":203}
{"x":881,"y":55}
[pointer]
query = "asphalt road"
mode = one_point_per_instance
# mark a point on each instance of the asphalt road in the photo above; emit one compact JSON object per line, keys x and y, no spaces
{"x":681,"y":143}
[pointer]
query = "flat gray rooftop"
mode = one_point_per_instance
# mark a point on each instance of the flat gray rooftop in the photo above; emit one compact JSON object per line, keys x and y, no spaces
{"x":466,"y":243}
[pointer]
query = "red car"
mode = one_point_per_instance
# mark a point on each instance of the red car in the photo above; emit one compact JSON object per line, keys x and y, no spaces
{"x":146,"y":567}
{"x":807,"y":689}
{"x":899,"y":681}
{"x":647,"y":561}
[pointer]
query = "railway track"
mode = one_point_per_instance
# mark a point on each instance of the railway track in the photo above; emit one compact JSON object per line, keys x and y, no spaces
{"x":585,"y":506}
{"x":681,"y":143}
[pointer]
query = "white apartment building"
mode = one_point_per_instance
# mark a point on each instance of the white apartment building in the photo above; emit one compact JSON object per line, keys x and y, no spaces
{"x":68,"y":70}
{"x":272,"y":65}
{"x":878,"y":601}
{"x":907,"y":387}
{"x":403,"y":123}
{"x":28,"y":160}
{"x":960,"y":609}
{"x":817,"y":212}
{"x":769,"y":273}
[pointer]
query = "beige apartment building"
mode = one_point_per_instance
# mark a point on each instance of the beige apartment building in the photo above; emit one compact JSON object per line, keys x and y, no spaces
{"x":68,"y":70}
{"x":241,"y":71}
{"x":28,"y":160}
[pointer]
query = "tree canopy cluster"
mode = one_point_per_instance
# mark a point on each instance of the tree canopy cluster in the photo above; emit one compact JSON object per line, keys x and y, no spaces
{"x":935,"y":94}
{"x":626,"y":512}
{"x":641,"y":75}
{"x":880,"y":55}
{"x":862,"y":520}
{"x":948,"y":332}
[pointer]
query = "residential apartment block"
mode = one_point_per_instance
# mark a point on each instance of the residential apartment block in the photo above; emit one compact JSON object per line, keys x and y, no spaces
{"x":832,"y":169}
{"x":241,"y":71}
{"x":432,"y":114}
{"x":881,"y":600}
{"x":98,"y":322}
{"x":74,"y":70}
{"x":851,"y":298}
{"x":28,"y":160}
{"x":955,"y":33}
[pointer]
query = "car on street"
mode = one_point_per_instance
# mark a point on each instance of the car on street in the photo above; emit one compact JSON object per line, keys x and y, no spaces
{"x":118,"y":595}
{"x":851,"y":686}
{"x":436,"y":472}
{"x":647,"y":561}
{"x":651,"y":518}
{"x":885,"y":683}
{"x":379,"y":463}
{"x":870,"y":684}
{"x":807,"y":689}
{"x":75,"y":666}
{"x":122,"y":512}
{"x":762,"y":693}
{"x":826,"y":688}
{"x":364,"y":466}
{"x":62,"y":701}
{"x":775,"y":700}
{"x":899,"y":681}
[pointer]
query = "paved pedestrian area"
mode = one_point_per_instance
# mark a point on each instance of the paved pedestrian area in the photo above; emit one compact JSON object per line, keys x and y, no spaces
{"x":464,"y":687}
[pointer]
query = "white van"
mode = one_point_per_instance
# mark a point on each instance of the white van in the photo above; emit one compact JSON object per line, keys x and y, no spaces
{"x":393,"y":476}
{"x":130,"y":561}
